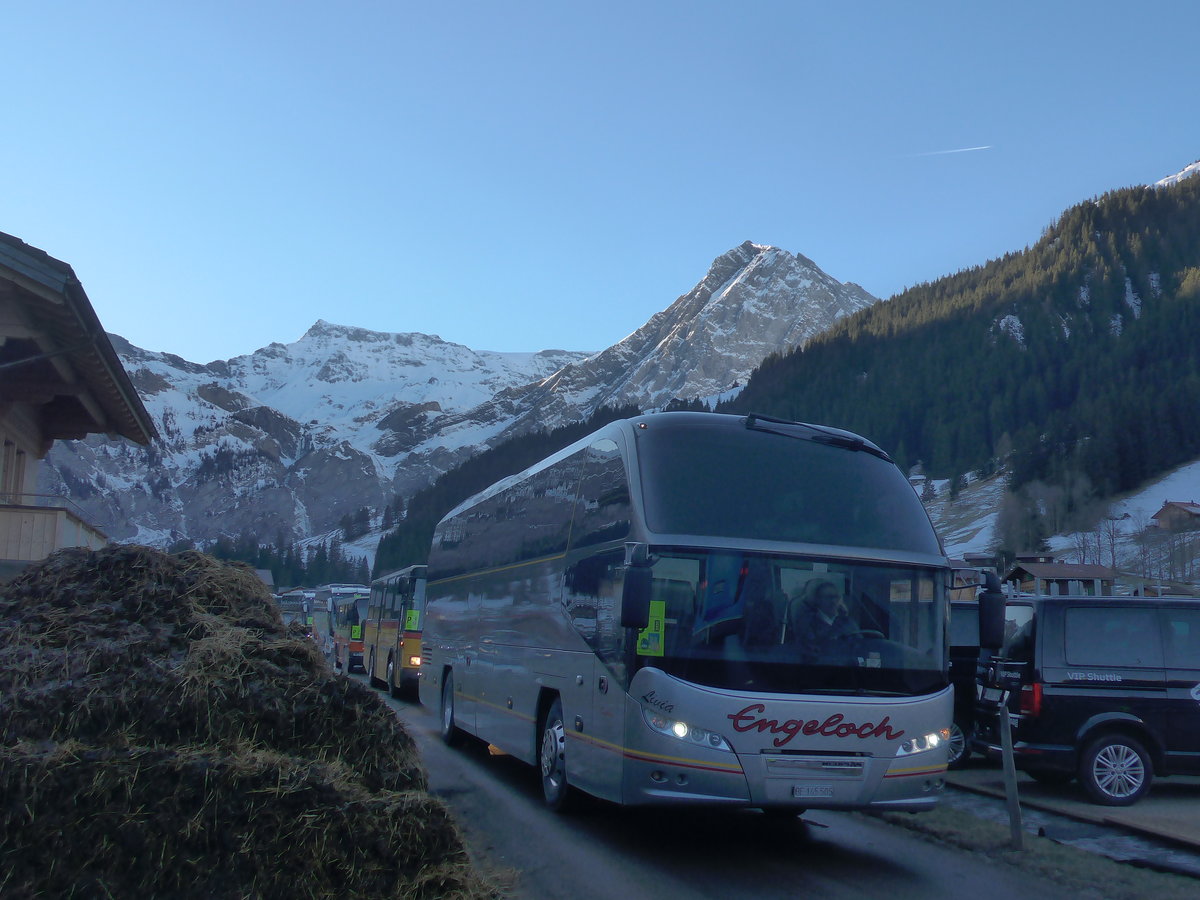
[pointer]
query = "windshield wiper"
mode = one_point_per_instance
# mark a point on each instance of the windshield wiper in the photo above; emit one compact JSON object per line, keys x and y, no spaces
{"x":815,"y":433}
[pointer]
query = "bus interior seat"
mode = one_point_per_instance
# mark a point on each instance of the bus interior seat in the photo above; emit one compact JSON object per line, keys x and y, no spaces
{"x":799,"y":609}
{"x":760,"y":627}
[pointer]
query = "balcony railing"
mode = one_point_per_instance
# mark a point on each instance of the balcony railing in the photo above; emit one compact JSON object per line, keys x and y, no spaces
{"x":32,"y":526}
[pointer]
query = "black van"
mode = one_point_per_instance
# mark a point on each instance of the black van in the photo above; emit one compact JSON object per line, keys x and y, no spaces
{"x":1110,"y":692}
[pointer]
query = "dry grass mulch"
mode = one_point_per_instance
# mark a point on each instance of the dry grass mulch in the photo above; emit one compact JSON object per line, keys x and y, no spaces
{"x":164,"y":734}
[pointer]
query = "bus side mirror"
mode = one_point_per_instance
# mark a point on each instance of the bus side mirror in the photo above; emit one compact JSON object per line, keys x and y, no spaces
{"x":991,"y":613}
{"x":635,"y":595}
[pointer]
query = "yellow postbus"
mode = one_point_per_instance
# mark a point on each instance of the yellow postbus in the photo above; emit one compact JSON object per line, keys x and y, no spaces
{"x":392,"y":631}
{"x":346,"y":605}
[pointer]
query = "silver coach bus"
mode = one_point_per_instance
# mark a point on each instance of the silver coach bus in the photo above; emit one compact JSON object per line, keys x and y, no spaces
{"x":639,"y":615}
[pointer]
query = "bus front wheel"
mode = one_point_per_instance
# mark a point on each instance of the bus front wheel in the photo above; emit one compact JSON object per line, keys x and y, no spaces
{"x":451,"y":736}
{"x":392,"y":689}
{"x":552,"y":759}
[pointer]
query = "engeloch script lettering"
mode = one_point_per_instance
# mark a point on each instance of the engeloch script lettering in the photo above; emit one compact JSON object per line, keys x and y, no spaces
{"x":749,"y":719}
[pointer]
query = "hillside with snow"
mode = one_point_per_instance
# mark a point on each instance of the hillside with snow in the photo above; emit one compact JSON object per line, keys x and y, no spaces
{"x":1125,"y":537}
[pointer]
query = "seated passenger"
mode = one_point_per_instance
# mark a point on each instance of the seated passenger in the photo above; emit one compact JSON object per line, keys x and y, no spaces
{"x":819,"y":617}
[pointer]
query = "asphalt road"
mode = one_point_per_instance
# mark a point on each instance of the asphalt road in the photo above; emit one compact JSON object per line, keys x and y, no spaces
{"x":604,"y":852}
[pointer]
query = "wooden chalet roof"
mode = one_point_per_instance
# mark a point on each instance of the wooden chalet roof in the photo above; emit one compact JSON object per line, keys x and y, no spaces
{"x":55,"y":355}
{"x":1192,"y":508}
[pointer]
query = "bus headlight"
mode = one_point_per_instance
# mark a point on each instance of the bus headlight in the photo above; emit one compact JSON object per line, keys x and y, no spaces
{"x":684,"y":732}
{"x":924,"y":742}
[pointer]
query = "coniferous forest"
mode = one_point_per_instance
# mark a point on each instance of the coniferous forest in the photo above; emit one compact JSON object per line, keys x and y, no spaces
{"x":1074,"y":363}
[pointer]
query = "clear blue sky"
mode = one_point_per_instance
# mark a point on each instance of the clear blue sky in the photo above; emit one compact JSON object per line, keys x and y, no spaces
{"x":529,"y":175}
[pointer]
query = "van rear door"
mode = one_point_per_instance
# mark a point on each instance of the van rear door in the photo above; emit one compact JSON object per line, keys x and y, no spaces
{"x":1181,"y":646}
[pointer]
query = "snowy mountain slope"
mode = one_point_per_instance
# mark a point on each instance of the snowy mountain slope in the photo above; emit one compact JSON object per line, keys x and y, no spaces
{"x":281,"y":440}
{"x":286,"y":441}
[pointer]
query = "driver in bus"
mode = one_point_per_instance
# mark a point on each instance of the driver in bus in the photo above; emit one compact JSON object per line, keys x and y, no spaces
{"x":820,"y":617}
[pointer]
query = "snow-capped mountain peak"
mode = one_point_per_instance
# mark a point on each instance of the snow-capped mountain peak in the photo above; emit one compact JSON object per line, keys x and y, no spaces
{"x":293,"y":437}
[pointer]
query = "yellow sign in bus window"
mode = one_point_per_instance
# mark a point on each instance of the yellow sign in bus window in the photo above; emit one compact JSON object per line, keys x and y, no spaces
{"x":651,"y":638}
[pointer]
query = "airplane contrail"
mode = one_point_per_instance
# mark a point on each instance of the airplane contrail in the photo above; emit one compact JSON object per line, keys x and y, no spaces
{"x":960,"y":150}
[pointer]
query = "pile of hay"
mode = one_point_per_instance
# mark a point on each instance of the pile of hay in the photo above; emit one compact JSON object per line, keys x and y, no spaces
{"x":162,"y":733}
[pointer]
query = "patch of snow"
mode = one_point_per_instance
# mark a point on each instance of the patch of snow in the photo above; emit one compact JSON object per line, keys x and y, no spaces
{"x":1187,"y":172}
{"x":1132,"y":300}
{"x":1012,"y":326}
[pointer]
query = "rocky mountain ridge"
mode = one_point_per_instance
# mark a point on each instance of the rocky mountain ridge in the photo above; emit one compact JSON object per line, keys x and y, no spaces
{"x":288,"y":440}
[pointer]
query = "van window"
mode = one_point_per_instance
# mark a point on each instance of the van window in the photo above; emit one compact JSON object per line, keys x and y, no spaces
{"x":1113,"y":637}
{"x":1018,"y":633}
{"x":1183,"y":638}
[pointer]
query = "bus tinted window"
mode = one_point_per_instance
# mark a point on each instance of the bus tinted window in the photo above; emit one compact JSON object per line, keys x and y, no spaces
{"x":482,"y":537}
{"x":603,"y":511}
{"x":739,"y":483}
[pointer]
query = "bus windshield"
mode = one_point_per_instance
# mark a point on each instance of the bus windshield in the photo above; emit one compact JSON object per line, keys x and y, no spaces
{"x":765,"y":485}
{"x":352,"y":610}
{"x":784,"y":624}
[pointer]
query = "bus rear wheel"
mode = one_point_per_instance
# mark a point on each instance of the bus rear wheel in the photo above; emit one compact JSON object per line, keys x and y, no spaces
{"x":552,"y":759}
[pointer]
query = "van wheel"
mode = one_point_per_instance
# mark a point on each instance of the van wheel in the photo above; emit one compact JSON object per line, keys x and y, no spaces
{"x":959,"y":752}
{"x":451,"y":735}
{"x":552,"y":759}
{"x":1115,"y":770}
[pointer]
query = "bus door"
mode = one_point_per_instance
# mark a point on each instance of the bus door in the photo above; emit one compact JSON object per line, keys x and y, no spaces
{"x":323,"y":627}
{"x":387,"y":641}
{"x":411,"y":607}
{"x":373,"y":631}
{"x":596,"y":744}
{"x":348,"y":638}
{"x":467,"y":682}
